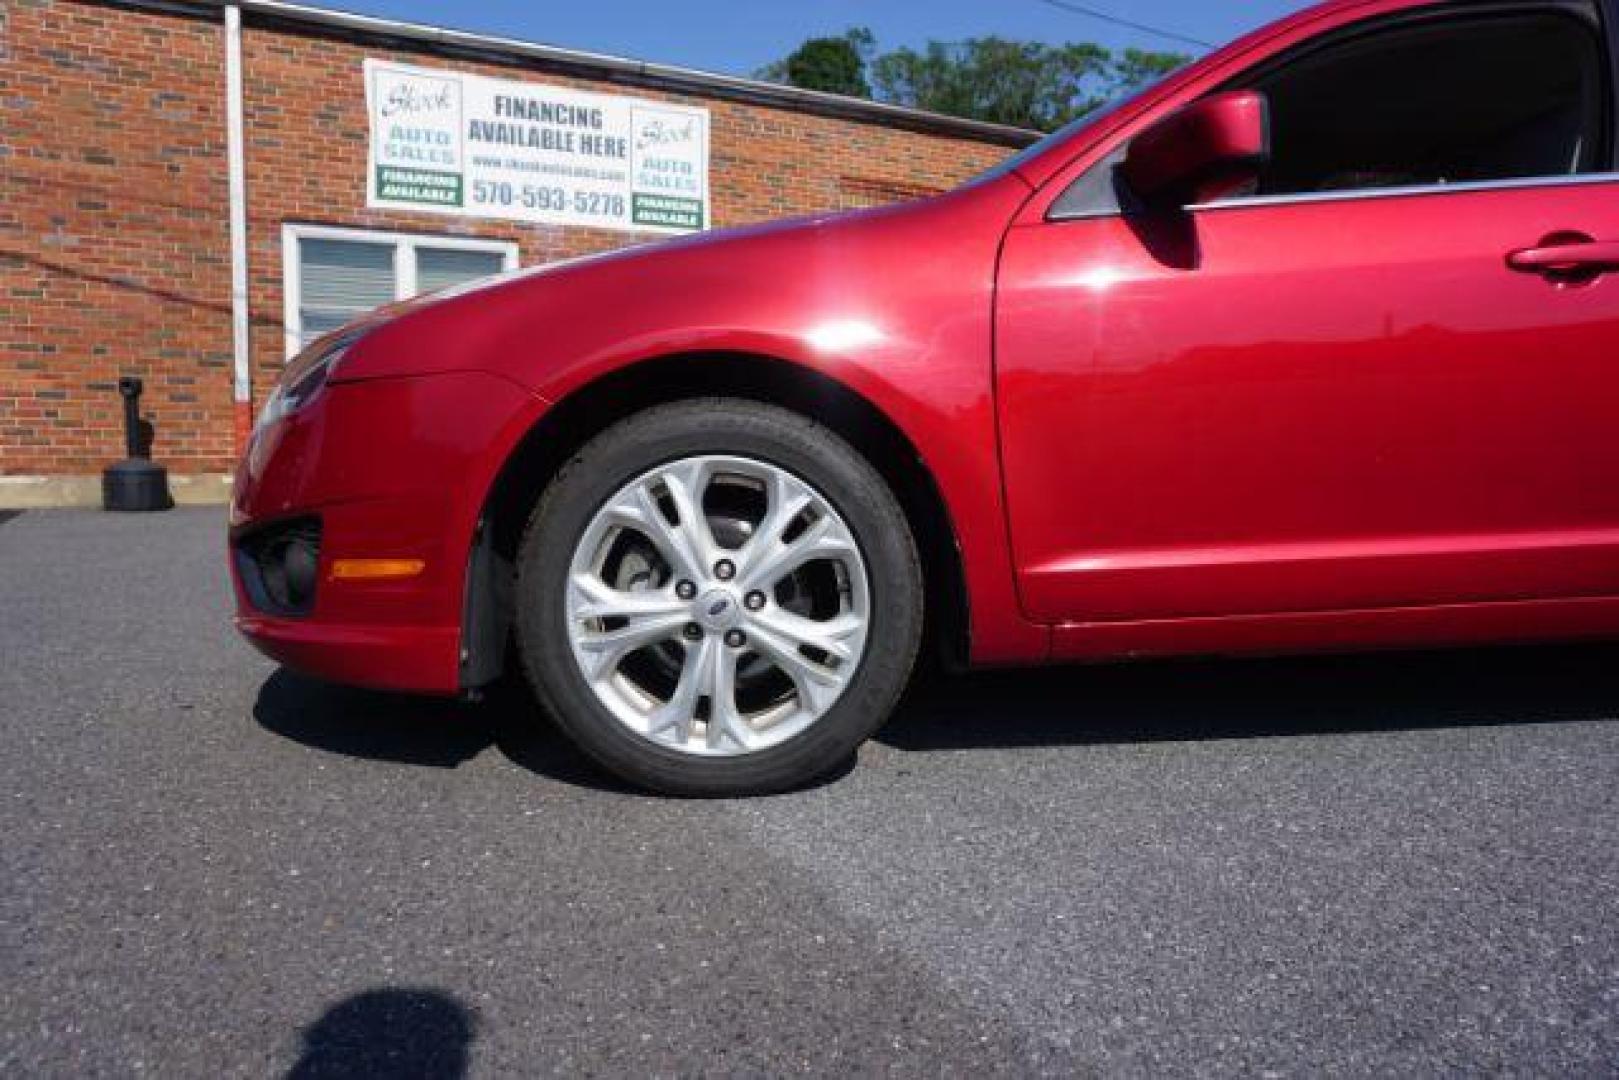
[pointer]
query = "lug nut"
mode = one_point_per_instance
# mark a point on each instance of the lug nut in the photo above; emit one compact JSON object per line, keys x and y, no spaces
{"x":735,"y":638}
{"x":724,"y":570}
{"x":692,"y":631}
{"x":754,"y":600}
{"x":685,"y":590}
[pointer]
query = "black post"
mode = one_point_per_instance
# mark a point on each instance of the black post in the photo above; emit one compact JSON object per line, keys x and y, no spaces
{"x":130,"y":387}
{"x":134,"y":483}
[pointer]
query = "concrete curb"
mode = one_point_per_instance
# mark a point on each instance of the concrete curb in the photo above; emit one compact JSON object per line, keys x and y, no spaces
{"x":61,"y":492}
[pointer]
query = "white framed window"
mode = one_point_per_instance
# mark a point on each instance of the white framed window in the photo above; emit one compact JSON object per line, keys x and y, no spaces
{"x":331,"y":275}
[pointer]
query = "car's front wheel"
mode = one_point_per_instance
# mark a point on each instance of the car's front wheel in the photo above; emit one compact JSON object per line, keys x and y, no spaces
{"x":718,"y":597}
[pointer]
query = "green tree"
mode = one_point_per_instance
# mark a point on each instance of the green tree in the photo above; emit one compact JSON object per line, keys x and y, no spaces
{"x":1020,"y":83}
{"x":836,"y":65}
{"x":1134,"y":68}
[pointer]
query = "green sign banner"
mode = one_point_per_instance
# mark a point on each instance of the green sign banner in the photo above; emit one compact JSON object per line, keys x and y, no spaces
{"x":396,"y":184}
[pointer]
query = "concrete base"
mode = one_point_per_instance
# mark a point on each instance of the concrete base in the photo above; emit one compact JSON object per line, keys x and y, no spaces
{"x":58,"y":492}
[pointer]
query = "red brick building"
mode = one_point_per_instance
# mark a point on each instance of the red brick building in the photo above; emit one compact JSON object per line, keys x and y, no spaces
{"x":116,"y":164}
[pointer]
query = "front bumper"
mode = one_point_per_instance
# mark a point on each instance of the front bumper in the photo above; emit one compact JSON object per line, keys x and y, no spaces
{"x":393,"y":468}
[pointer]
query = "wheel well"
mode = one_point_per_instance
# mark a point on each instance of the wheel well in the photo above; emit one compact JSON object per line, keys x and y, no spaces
{"x":592,"y":409}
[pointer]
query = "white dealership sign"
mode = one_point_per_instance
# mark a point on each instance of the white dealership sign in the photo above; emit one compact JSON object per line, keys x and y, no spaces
{"x":480,"y":147}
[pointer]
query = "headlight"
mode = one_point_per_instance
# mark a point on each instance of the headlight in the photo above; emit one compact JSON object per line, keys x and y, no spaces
{"x":303,"y":380}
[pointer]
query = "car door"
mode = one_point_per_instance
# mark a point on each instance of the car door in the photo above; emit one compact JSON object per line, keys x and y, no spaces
{"x":1386,"y":377}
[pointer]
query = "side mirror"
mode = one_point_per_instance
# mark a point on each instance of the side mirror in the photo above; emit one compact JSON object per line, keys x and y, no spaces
{"x":1199,"y":152}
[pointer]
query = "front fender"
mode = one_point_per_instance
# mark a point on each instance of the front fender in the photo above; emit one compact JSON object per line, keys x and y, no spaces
{"x":893,"y":305}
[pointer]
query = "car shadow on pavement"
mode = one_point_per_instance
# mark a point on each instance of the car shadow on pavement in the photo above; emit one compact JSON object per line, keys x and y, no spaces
{"x":411,"y":729}
{"x":1059,"y":706}
{"x":425,"y":731}
{"x":401,"y":728}
{"x":1168,"y":700}
{"x":388,"y":1032}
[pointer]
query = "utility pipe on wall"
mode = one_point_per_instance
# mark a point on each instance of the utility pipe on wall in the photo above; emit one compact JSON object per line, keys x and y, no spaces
{"x":242,"y":380}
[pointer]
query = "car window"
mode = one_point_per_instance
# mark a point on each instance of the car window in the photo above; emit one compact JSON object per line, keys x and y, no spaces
{"x":1420,"y":100}
{"x":1454,"y":99}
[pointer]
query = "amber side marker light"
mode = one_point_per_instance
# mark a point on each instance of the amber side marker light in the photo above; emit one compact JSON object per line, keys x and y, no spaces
{"x":375,"y":569}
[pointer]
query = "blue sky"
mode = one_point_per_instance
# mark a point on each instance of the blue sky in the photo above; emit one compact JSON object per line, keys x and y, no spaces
{"x":739,"y":36}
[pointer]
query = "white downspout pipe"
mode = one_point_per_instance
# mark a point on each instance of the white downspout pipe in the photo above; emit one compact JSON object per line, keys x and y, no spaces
{"x":242,"y":378}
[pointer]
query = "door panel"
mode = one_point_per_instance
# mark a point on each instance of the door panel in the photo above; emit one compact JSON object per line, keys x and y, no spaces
{"x":1310,"y":405}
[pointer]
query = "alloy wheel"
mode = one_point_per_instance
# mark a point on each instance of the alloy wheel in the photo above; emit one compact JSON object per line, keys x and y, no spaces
{"x":717,"y":605}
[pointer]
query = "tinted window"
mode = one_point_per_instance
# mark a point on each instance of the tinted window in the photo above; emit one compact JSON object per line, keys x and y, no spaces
{"x":341,"y":279}
{"x":1490,"y":96}
{"x":440,"y":268}
{"x":1436,"y":100}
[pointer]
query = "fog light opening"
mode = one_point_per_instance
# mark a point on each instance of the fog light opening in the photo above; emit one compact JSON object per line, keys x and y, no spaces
{"x":280,"y":566}
{"x":299,"y":562}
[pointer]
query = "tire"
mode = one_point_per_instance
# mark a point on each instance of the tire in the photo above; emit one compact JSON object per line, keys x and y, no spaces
{"x":756,"y":459}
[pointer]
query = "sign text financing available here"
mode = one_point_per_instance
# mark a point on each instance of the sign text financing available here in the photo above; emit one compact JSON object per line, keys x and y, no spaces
{"x":481,"y":147}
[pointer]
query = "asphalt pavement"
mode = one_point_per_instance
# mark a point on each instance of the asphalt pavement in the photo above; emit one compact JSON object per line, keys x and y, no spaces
{"x":1390,"y":864}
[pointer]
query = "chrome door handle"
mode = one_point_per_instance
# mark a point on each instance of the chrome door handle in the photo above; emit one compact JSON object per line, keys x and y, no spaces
{"x":1566,"y":258}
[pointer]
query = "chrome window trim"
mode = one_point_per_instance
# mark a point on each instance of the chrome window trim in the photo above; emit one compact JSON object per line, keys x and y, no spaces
{"x":1409,"y":191}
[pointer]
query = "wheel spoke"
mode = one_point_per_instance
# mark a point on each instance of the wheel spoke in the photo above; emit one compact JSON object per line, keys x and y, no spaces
{"x":672,"y":721}
{"x":593,"y":598}
{"x":787,"y":501}
{"x":817,"y":684}
{"x":648,"y":618}
{"x":830,"y":636}
{"x":686,"y":482}
{"x":637,"y":508}
{"x":825,"y":538}
{"x":727,"y":729}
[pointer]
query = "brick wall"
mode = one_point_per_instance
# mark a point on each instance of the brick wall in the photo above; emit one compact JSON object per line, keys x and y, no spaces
{"x":114,"y":248}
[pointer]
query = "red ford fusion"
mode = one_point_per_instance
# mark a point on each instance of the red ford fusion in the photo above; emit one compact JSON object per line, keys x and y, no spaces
{"x":1313,"y":345}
